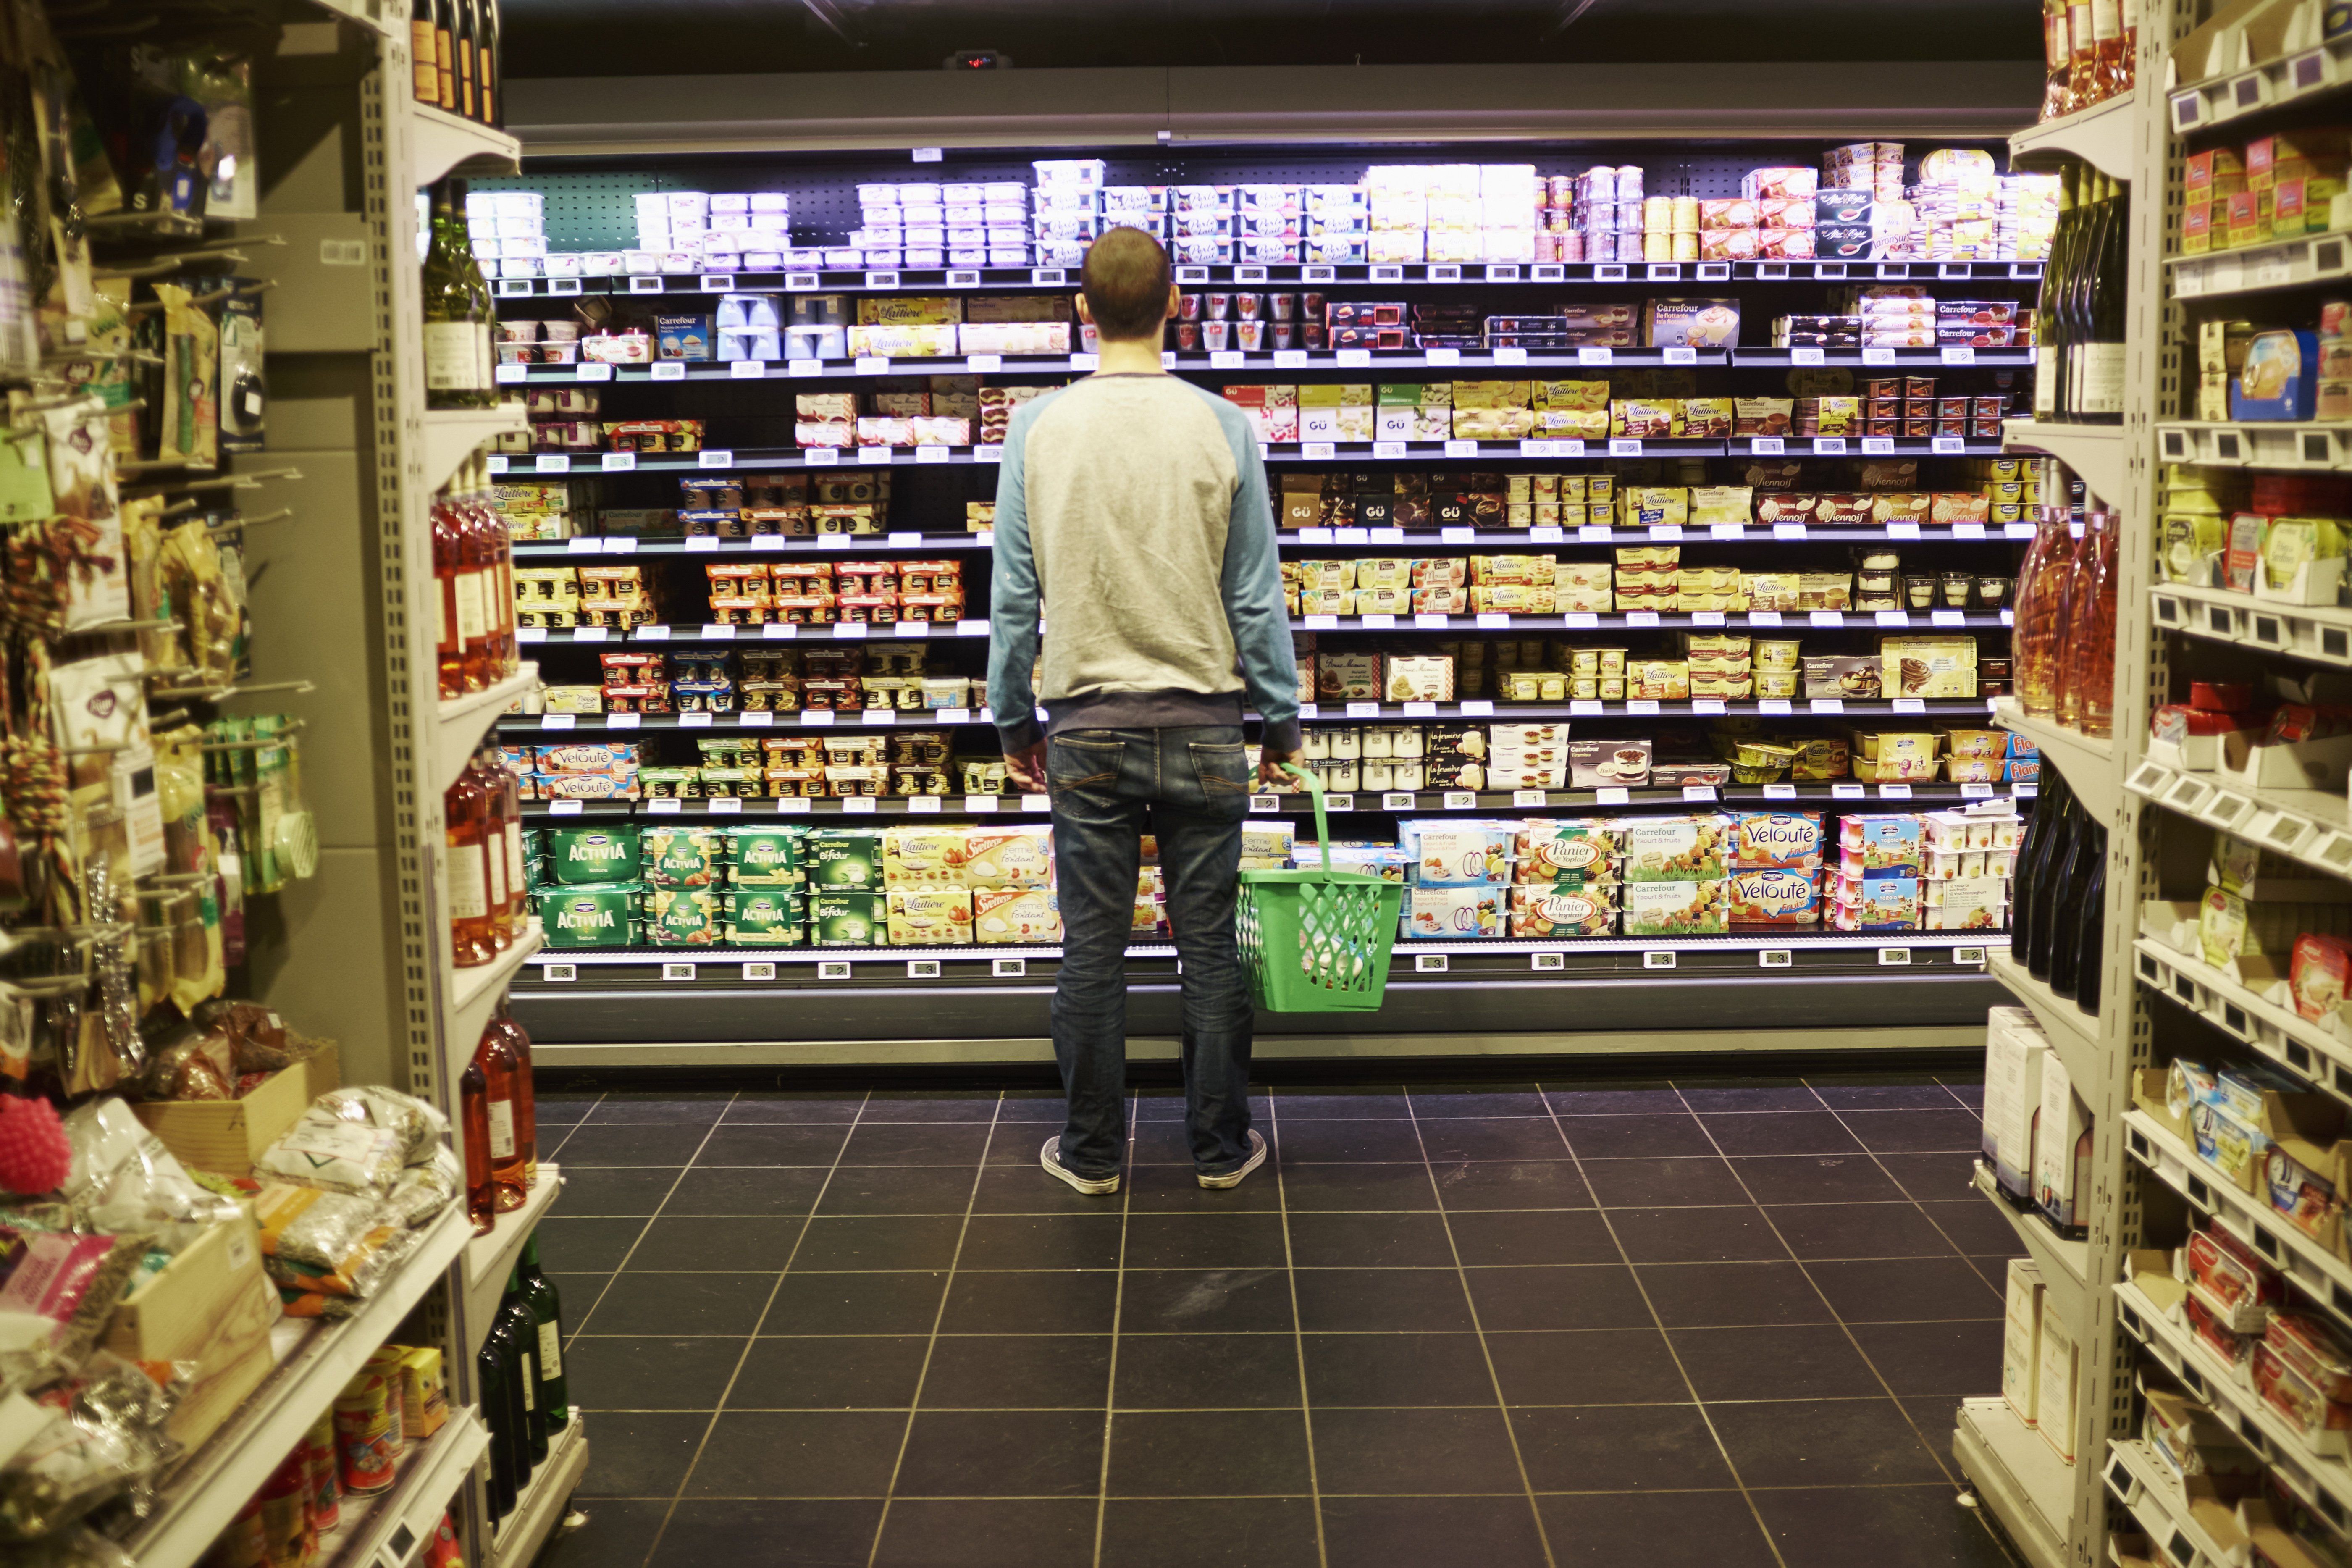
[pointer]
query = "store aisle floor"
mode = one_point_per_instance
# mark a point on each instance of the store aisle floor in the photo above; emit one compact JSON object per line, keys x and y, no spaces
{"x":1710,"y":1321}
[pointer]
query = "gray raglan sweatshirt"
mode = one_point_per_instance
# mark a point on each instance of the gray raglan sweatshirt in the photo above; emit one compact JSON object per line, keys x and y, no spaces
{"x":1132,"y":512}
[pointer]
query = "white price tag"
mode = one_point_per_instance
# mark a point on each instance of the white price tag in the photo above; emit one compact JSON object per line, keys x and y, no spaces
{"x":1826,"y":618}
{"x":1363,"y":710}
{"x":514,"y":372}
{"x":1892,"y":618}
{"x":622,"y":721}
{"x":1397,"y":800}
{"x":563,"y":808}
{"x":1877,"y":445}
{"x":725,"y":806}
{"x":1976,"y":791}
{"x":598,"y":372}
{"x":1707,"y":705}
{"x":1460,"y":800}
{"x":645,"y":285}
{"x":1959,"y":353}
{"x":1614,"y":794}
{"x":1596,"y":356}
{"x":980,"y":802}
{"x":1036,"y":802}
{"x":1829,"y":445}
{"x":1477,"y":708}
{"x":1322,"y":623}
{"x":620,"y":462}
{"x":876,"y":454}
{"x":1462,"y":448}
{"x":1325,"y":451}
{"x":552,"y":463}
{"x":1443,"y":356}
{"x":498,"y":463}
{"x":1680,"y":356}
{"x":1894,"y":792}
{"x":1763,"y":618}
{"x":1433,"y":620}
{"x":1779,"y":792}
{"x":720,"y":457}
{"x":1768,"y":445}
{"x":1582,"y":707}
{"x":1948,"y":446}
{"x":858,"y":804}
{"x":1534,"y":797}
{"x":589,"y":634}
{"x":800,"y":282}
{"x":1290,"y":358}
{"x":1625,"y":446}
{"x":1825,"y":705}
{"x":1910,"y":705}
{"x":1807,"y":356}
{"x":992,"y":453}
{"x":1641,"y":707}
{"x":1265,"y":803}
{"x":984,"y":364}
{"x":1227,"y":359}
{"x":1085,"y":362}
{"x":694,"y":721}
{"x":1948,"y":617}
{"x":1665,"y":530}
{"x":781,"y":631}
{"x":1967,"y":531}
{"x":1698,"y":792}
{"x":757,"y":719}
{"x":1846,"y":792}
{"x":816,"y":718}
{"x":1350,"y":357}
{"x":1421,"y":709}
{"x":1878,"y":356}
{"x":1494,"y":620}
{"x":714,"y":630}
{"x":1379,"y":623}
{"x":751,"y":369}
{"x":1773,"y":707}
{"x":717,"y":282}
{"x":1902,"y":530}
{"x":1511,"y":355}
{"x":1641,"y":617}
{"x":931,"y":455}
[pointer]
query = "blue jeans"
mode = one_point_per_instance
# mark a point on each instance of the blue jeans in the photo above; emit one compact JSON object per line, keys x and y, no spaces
{"x":1191,"y":788}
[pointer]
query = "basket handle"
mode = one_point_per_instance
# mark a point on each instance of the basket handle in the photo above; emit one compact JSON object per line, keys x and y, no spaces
{"x":1314,"y":782}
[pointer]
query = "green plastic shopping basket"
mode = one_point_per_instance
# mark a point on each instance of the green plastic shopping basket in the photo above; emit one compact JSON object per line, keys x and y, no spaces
{"x":1318,"y":941}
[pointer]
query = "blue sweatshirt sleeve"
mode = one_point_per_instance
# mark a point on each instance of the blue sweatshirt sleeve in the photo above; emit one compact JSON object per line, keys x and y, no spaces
{"x":1252,"y":589}
{"x":1013,"y":601}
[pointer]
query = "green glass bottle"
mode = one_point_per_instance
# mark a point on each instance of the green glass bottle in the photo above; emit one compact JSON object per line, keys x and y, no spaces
{"x":457,"y":313}
{"x":515,"y":1318}
{"x":547,"y":1308}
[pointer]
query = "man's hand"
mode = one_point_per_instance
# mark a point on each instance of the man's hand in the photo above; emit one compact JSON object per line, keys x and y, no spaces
{"x":1270,"y":765}
{"x":1027,"y":768}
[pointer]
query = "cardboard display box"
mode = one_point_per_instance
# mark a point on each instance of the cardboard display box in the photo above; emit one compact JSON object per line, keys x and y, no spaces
{"x":226,"y":1136}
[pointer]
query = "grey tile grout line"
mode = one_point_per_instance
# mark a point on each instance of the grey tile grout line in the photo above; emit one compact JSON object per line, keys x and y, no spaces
{"x":1275,"y":1333}
{"x":1130,"y":1116}
{"x":1297,"y":1333}
{"x":1477,"y":1327}
{"x":581,"y":1326}
{"x":685,"y":1478}
{"x":1235,"y":1497}
{"x":1672,"y":1354}
{"x":931,"y":1346}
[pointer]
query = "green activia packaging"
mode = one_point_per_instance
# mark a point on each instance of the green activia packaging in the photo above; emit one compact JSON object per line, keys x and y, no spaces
{"x":682,"y":917}
{"x":591,"y":916}
{"x":767,"y":917}
{"x":583,"y":855}
{"x":682,"y":856}
{"x":767,"y":857}
{"x":844,"y":857}
{"x":845,"y":920}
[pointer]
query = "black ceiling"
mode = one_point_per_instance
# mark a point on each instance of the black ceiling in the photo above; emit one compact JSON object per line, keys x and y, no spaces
{"x":666,"y":38}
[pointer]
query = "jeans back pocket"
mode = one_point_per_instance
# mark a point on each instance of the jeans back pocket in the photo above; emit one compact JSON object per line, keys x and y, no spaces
{"x":1223,"y":769}
{"x":1076,"y":763}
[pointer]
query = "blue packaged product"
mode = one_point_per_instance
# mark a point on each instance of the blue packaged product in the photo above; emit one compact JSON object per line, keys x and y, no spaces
{"x":2280,"y":379}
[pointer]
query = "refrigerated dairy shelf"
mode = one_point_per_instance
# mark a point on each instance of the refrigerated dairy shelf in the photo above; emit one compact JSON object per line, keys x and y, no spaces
{"x":1270,"y":361}
{"x":2028,"y":1487}
{"x":1377,"y":453}
{"x":2064,"y":1261}
{"x":2320,"y":633}
{"x":2306,"y":1046}
{"x":2221,"y":444}
{"x":2318,"y":1273}
{"x":2311,"y":826}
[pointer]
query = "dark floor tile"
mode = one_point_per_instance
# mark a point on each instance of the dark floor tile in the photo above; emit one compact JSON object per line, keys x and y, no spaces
{"x":1730,"y":1295}
{"x":1382,"y":1101}
{"x":1174,"y":1189}
{"x":931,"y":1105}
{"x":596,"y":1191}
{"x":902,"y":1189}
{"x":1968,"y":1093}
{"x":1813,"y":1361}
{"x":906,"y":1303}
{"x":1946,"y":1359}
{"x":674,"y":1108}
{"x":732,"y":1191}
{"x":1975,"y":1228}
{"x":835,"y":1373}
{"x":1845,"y":1442}
{"x":769,"y":1533}
{"x":1936,"y":1413}
{"x":1384,"y":1531}
{"x":1335,"y":1189}
{"x":1017,"y":1143}
{"x":1044,"y":1107}
{"x":1375,"y":1300}
{"x":1511,"y":1185}
{"x":798,"y":1453}
{"x":1603,"y":1098}
{"x":736,"y":1143}
{"x":1817,"y":1528}
{"x":631,"y":1373}
{"x":1596,"y":1296}
{"x":1205,"y":1302}
{"x":1057,"y":1302}
{"x":1369,"y":1241}
{"x":1168,"y":1105}
{"x":1948,"y":1177}
{"x":1660,"y":1183}
{"x":897,"y":1242}
{"x":1815,"y":1179}
{"x":1921,"y":1092}
{"x":874,"y":1143}
{"x":1025,"y":1189}
{"x":562,"y":1107}
{"x":1492,"y":1138}
{"x":630,"y":1144}
{"x":1201,"y":1532}
{"x":987,"y":1532}
{"x":1204,"y":1241}
{"x":1207,"y":1372}
{"x":764,"y":1243}
{"x":1437,"y":1101}
{"x":614,"y":1532}
{"x":1380,"y":1452}
{"x":1041,"y":1241}
{"x":1540,"y":1236}
{"x":1168,"y":1145}
{"x":668,"y":1305}
{"x":1859,"y":1230}
{"x":1659,"y":1530}
{"x":1002,"y":1453}
{"x":1388,"y":1371}
{"x":1598,"y":1366}
{"x":1696,"y":1235}
{"x":1209,"y":1453}
{"x":1635,"y":1137}
{"x":1754,"y":1094}
{"x":1619,"y":1448}
{"x":1905,"y":1290}
{"x":641,"y":1453}
{"x":1018,"y":1371}
{"x":580,"y":1292}
{"x":774,"y":1105}
{"x":1320,"y":1141}
{"x":573,"y":1246}
{"x":1783,"y":1132}
{"x":1917,"y":1131}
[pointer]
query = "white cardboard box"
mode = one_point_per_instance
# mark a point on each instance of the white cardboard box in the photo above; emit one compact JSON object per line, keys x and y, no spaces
{"x":2020,"y":1340}
{"x":2015,"y":1050}
{"x":2062,"y":1147}
{"x":2054,"y":1386}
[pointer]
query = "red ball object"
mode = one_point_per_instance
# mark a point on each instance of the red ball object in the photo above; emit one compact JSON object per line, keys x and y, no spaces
{"x":35,"y":1153}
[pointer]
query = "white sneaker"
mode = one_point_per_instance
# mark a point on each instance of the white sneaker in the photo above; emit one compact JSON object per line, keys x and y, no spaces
{"x":1234,"y":1178}
{"x":1051,"y":1158}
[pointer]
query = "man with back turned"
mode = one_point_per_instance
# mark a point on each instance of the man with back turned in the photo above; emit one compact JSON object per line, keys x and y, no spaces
{"x":1132,"y":515}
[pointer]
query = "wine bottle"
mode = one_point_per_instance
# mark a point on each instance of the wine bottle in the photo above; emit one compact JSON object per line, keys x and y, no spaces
{"x":487,"y":78}
{"x":522,"y":1390}
{"x":2111,"y":64}
{"x":2056,"y":58}
{"x":523,"y":1323}
{"x":2048,"y":320}
{"x":547,"y":1307}
{"x":2037,"y":641}
{"x":491,"y":1372}
{"x":2099,"y":382}
{"x":2048,"y":799}
{"x":2092,"y":937}
{"x":2067,"y":693}
{"x":2066,"y":930}
{"x":474,"y":1108}
{"x":424,"y":53}
{"x":506,"y":1154}
{"x":461,"y":37}
{"x":449,"y":580}
{"x":447,"y":54}
{"x":2079,"y":280}
{"x":486,"y":309}
{"x":2049,"y":891}
{"x":456,"y":329}
{"x":465,"y":833}
{"x":2082,"y":57}
{"x":526,"y":1092}
{"x":2093,"y":639}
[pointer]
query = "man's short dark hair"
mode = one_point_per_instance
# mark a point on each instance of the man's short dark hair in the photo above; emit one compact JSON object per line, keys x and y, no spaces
{"x":1126,"y":284}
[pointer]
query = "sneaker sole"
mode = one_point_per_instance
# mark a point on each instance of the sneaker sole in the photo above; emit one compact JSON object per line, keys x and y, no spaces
{"x":1054,"y":1168}
{"x":1234,"y":1178}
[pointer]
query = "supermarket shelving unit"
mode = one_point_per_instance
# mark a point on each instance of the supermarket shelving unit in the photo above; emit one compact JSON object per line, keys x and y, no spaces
{"x":360,"y":952}
{"x":2157,"y":1001}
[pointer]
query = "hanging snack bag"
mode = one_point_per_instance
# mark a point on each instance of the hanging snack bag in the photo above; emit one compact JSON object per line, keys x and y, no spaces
{"x":190,"y":432}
